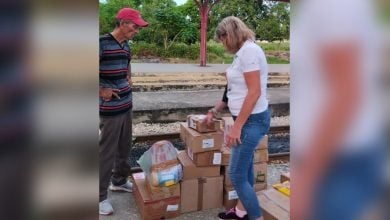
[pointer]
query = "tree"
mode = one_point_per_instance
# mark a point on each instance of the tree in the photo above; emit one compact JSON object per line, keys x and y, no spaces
{"x":109,"y":10}
{"x":190,"y":11}
{"x":170,"y":24}
{"x":204,"y":7}
{"x":274,"y":22}
{"x":268,"y":19}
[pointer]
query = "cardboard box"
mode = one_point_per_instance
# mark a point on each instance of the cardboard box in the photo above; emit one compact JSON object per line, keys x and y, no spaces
{"x":226,"y":152}
{"x":230,"y":197}
{"x":163,"y":192}
{"x":260,"y":155}
{"x":201,"y":142}
{"x":284,"y":177}
{"x":260,"y":186}
{"x":209,"y":158}
{"x":197,"y":122}
{"x":201,"y":194}
{"x":259,"y":170}
{"x":190,"y":171}
{"x":151,"y":208}
{"x":227,"y":123}
{"x":263,"y":144}
{"x":275,"y":205}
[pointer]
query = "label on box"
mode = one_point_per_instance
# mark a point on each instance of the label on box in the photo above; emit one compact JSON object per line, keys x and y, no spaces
{"x":190,"y":153}
{"x":232,"y":195}
{"x":208,"y":143}
{"x":217,"y":158}
{"x":260,"y":177}
{"x":172,"y":208}
{"x":139,"y":176}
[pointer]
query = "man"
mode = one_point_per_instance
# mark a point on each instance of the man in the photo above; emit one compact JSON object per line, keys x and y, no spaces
{"x":115,"y":103}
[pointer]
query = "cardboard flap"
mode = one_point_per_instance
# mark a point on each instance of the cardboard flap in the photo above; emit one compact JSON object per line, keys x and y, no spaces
{"x":185,"y":160}
{"x":279,"y":199}
{"x":274,"y":204}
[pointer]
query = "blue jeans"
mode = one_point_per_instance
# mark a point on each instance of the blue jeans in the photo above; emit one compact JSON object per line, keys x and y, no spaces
{"x":351,"y":184}
{"x":241,"y":161}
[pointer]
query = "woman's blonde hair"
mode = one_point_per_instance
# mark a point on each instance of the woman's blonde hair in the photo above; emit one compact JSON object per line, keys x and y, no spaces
{"x":232,"y":32}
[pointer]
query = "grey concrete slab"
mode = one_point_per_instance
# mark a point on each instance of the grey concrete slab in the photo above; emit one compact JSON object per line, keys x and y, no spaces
{"x":138,"y":68}
{"x":188,"y":99}
{"x":125,"y":208}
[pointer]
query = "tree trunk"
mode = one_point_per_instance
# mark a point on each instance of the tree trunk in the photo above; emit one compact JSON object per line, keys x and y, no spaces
{"x":203,"y":33}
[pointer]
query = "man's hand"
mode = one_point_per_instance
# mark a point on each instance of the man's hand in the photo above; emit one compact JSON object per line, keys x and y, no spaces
{"x":107,"y":93}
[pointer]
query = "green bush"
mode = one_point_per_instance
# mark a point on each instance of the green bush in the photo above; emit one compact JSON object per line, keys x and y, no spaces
{"x":275,"y":46}
{"x":215,"y":51}
{"x":143,"y":49}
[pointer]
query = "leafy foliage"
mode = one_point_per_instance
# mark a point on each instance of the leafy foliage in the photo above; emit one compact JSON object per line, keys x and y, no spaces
{"x":174,"y":30}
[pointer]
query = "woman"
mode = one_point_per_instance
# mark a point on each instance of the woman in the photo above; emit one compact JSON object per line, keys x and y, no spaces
{"x":245,"y":95}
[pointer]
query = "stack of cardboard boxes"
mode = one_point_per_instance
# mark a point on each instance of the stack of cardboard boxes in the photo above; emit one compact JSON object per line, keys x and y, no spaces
{"x":259,"y":163}
{"x":157,"y":190}
{"x":202,"y":183}
{"x":205,"y":183}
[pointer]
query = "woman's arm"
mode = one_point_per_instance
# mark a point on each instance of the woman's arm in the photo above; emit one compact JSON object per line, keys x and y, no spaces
{"x":217,"y":108}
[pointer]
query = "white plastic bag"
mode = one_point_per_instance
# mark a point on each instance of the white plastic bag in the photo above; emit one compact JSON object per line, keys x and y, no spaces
{"x":160,"y":164}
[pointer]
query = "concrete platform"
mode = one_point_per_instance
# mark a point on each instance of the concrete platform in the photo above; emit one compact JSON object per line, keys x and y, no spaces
{"x":176,"y":105}
{"x":125,"y":207}
{"x":149,"y":82}
{"x":151,"y":68}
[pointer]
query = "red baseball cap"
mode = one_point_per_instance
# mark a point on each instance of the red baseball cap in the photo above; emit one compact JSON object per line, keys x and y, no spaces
{"x":132,"y":15}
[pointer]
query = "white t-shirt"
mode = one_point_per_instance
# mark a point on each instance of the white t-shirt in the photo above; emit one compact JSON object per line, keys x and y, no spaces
{"x":250,"y":57}
{"x":319,"y":23}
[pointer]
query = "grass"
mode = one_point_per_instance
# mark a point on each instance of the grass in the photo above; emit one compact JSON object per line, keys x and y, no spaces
{"x":275,"y":46}
{"x":275,"y":60}
{"x":267,"y":47}
{"x":182,"y":53}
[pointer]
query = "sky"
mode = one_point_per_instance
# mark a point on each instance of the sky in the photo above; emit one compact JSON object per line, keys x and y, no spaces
{"x":180,"y":2}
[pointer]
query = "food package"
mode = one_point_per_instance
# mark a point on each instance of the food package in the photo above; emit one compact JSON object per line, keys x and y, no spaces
{"x":160,"y":164}
{"x":167,"y":177}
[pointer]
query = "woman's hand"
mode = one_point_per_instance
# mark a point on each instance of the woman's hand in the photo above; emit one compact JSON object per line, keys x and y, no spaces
{"x":234,"y":136}
{"x":209,"y":118}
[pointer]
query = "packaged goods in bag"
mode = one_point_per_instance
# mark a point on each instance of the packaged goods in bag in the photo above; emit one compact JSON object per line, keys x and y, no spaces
{"x":160,"y":164}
